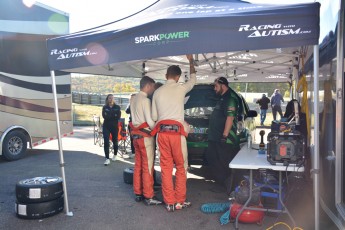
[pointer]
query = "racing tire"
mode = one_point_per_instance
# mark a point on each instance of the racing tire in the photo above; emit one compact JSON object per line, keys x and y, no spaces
{"x":14,"y":145}
{"x":128,"y":175}
{"x":39,"y":210}
{"x":39,"y":189}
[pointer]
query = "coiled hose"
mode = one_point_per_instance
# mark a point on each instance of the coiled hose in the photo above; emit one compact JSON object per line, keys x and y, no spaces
{"x":215,"y":207}
{"x":218,"y":207}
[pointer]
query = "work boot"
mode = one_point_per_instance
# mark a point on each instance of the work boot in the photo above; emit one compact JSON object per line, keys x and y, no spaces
{"x":153,"y":201}
{"x":106,"y":162}
{"x":179,"y":206}
{"x":139,"y":198}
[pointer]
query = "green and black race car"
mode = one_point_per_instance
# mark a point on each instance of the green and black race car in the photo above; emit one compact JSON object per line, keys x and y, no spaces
{"x":200,"y":102}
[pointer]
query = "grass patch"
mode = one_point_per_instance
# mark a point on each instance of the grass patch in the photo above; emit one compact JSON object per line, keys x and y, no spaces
{"x":82,"y":114}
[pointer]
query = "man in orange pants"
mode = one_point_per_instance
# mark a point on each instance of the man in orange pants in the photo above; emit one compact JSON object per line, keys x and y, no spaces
{"x":168,"y":111}
{"x":144,"y":145}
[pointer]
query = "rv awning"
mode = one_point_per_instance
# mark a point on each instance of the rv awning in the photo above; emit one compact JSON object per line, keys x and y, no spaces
{"x":243,"y":41}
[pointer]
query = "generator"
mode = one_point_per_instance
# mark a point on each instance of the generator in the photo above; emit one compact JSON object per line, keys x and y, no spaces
{"x":286,"y":148}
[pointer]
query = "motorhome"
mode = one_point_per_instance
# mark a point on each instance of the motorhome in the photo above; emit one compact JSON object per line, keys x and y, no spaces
{"x":26,"y":99}
{"x":331,"y":110}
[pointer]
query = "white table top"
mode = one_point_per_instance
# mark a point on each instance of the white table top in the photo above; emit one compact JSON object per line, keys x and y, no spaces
{"x":250,"y":159}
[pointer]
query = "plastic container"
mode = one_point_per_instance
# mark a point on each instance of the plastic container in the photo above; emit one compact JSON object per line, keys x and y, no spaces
{"x":249,"y":141}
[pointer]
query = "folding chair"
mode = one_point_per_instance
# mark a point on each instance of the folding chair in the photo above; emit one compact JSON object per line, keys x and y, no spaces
{"x":97,"y":131}
{"x":123,"y":138}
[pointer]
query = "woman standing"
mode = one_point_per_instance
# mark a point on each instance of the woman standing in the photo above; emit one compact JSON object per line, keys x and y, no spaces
{"x":111,"y":114}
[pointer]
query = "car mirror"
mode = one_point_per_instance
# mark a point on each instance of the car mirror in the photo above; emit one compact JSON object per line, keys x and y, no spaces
{"x":252,"y":113}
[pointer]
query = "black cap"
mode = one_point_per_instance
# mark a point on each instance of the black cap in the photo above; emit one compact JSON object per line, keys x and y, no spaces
{"x":222,"y":80}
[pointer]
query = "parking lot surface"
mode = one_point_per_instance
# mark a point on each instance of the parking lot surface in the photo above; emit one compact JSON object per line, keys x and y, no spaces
{"x":99,"y":198}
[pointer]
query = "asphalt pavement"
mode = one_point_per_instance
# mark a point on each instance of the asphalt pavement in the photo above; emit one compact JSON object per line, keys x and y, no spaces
{"x":99,"y":198}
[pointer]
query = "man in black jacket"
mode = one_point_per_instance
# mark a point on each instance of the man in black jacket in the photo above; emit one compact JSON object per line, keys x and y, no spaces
{"x":263,"y":102}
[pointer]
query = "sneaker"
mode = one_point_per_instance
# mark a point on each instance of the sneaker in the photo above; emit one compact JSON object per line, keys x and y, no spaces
{"x":106,"y":162}
{"x":179,"y":206}
{"x":153,"y":201}
{"x":115,"y":158}
{"x":170,"y":207}
{"x":139,"y":198}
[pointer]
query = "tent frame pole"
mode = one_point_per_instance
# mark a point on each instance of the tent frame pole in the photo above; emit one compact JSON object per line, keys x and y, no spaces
{"x":62,"y":163}
{"x":316,"y":168}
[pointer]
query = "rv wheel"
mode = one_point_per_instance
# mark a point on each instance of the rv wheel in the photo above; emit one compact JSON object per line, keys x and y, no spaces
{"x":39,"y":189}
{"x":39,"y":210}
{"x":14,"y":145}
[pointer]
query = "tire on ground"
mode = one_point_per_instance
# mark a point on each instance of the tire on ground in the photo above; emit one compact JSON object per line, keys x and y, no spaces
{"x":128,"y":175}
{"x":14,"y":145}
{"x":39,"y":189}
{"x":39,"y":210}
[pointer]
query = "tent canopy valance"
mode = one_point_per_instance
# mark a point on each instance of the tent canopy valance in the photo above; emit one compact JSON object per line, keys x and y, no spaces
{"x":242,"y":41}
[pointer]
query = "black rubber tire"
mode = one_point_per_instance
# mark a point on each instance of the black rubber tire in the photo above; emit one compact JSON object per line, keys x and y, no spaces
{"x":14,"y":145}
{"x":128,"y":175}
{"x":39,"y":210}
{"x":39,"y":189}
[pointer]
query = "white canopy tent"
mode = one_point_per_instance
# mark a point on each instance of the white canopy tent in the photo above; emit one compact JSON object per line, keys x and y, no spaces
{"x":96,"y":51}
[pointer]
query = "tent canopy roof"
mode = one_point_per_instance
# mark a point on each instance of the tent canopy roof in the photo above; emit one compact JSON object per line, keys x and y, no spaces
{"x":242,"y":41}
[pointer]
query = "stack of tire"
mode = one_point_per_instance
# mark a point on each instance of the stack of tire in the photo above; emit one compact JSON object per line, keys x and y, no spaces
{"x":39,"y":197}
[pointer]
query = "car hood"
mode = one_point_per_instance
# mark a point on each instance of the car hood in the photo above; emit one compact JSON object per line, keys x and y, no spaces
{"x":205,"y":96}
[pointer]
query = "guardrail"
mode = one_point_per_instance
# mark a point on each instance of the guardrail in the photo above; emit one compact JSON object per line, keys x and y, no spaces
{"x":99,"y":99}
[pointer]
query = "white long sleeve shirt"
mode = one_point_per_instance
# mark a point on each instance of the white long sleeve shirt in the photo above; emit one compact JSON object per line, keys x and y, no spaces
{"x":141,"y":110}
{"x":168,"y":100}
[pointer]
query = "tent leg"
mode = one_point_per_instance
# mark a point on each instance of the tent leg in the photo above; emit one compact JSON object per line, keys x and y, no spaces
{"x":62,"y":163}
{"x":316,"y":168}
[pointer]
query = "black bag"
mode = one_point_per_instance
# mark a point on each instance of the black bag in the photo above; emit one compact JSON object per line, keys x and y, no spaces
{"x":242,"y":194}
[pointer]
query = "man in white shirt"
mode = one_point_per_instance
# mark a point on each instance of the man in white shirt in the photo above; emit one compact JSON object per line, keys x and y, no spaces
{"x":168,"y":111}
{"x":144,"y":145}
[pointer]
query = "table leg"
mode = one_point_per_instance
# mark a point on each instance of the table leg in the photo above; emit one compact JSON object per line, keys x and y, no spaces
{"x":247,"y":202}
{"x":281,"y":201}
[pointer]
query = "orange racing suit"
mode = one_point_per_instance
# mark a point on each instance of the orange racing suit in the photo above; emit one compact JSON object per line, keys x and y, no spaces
{"x":143,"y":144}
{"x":168,"y":111}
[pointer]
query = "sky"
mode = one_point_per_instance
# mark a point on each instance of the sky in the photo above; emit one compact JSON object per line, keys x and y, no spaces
{"x":85,"y":14}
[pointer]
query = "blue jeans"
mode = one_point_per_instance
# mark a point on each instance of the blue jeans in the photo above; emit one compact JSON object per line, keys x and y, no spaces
{"x":262,"y":116}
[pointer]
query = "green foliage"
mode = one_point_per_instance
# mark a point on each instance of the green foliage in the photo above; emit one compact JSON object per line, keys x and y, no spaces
{"x":109,"y":84}
{"x":261,"y":87}
{"x":82,"y":114}
{"x":104,"y":84}
{"x":123,"y":87}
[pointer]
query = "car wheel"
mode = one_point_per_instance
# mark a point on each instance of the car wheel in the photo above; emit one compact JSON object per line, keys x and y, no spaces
{"x":14,"y":145}
{"x":39,"y":210}
{"x":128,"y":175}
{"x":39,"y":189}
